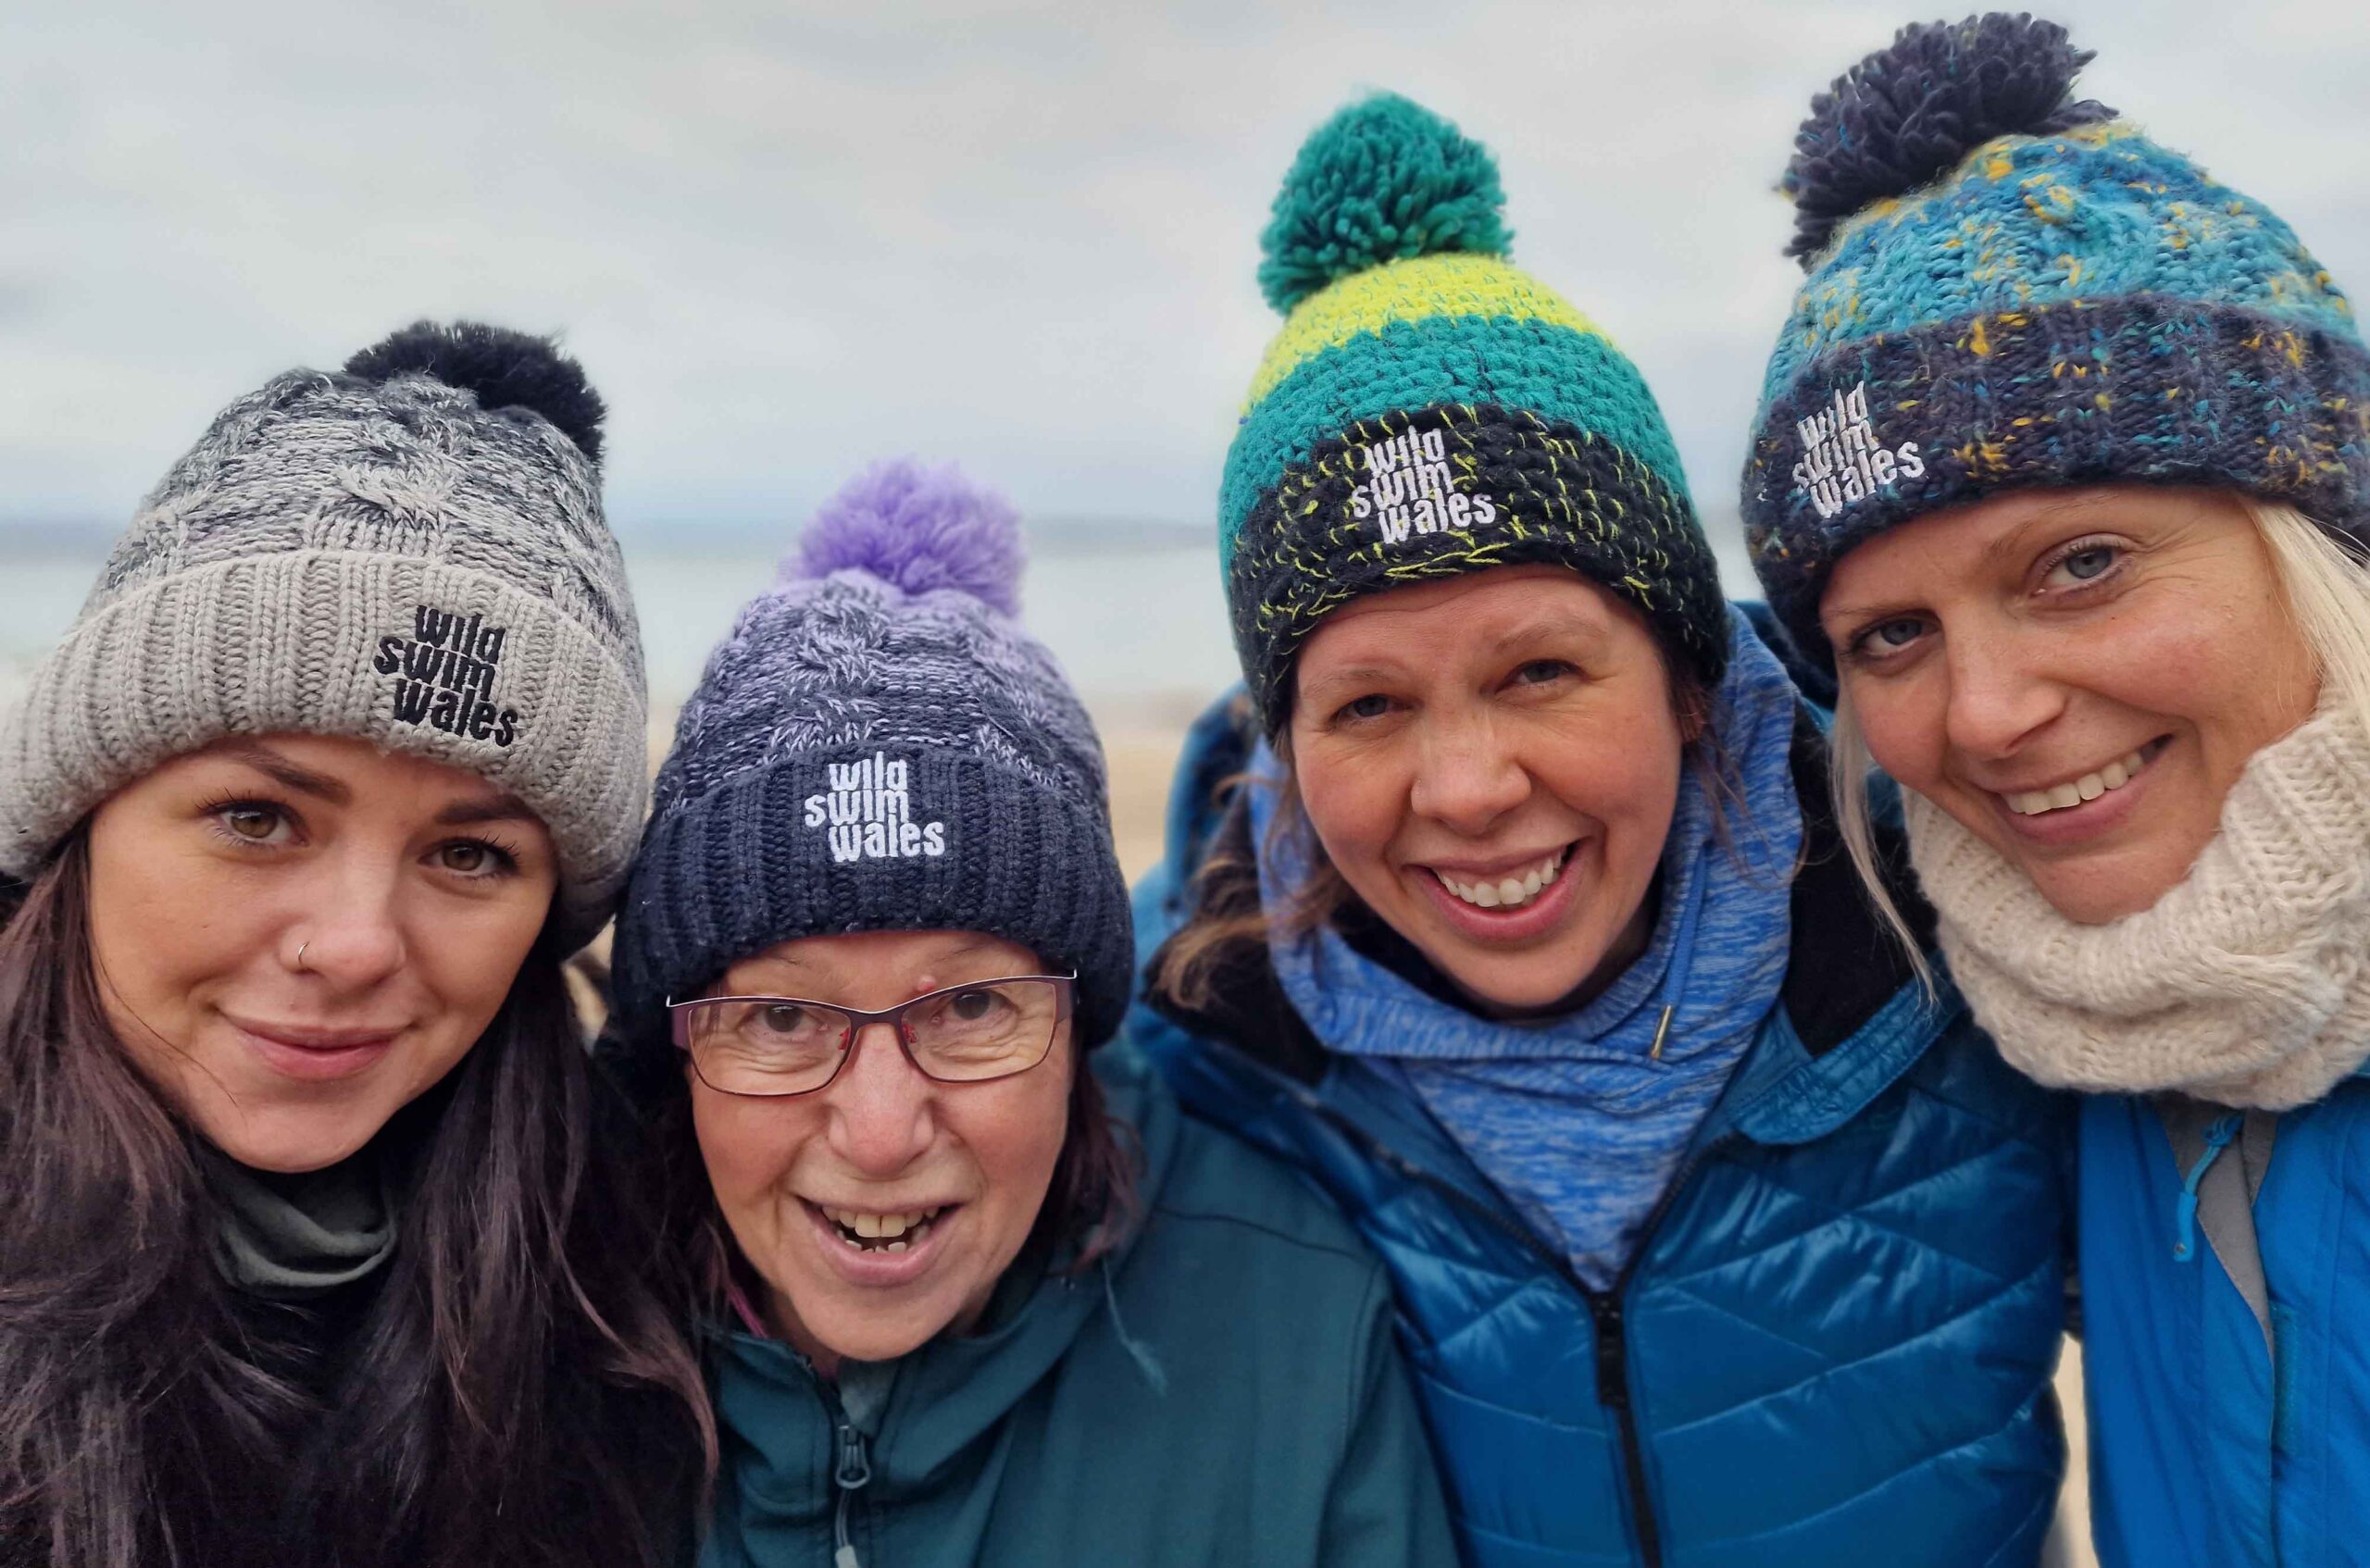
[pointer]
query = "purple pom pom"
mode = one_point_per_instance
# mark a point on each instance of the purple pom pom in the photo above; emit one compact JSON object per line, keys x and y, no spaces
{"x":920,"y":529}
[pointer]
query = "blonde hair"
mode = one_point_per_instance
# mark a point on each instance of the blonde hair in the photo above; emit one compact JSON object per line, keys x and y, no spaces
{"x":2325,"y":581}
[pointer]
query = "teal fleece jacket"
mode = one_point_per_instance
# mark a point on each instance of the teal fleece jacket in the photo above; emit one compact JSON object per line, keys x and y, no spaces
{"x":1226,"y":1392}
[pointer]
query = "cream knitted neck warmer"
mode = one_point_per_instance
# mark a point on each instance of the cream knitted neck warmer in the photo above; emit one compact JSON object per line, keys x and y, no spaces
{"x":2248,"y":984}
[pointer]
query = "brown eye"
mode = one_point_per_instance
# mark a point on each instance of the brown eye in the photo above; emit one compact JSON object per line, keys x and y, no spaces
{"x":250,"y":822}
{"x":472,"y":857}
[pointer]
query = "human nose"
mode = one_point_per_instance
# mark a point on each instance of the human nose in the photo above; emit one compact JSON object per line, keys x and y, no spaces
{"x":2000,"y":694}
{"x":880,"y":1105}
{"x":353,"y":933}
{"x":1466,"y":777}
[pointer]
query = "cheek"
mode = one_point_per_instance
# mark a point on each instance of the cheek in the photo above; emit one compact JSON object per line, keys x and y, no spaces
{"x":1018,"y":1141}
{"x":1354,"y":807}
{"x":747,"y":1147}
{"x":163,"y":924}
{"x":471,"y":961}
{"x":1903,"y":725}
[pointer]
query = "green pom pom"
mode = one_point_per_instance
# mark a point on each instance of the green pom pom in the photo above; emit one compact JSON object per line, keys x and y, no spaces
{"x":1382,"y":180}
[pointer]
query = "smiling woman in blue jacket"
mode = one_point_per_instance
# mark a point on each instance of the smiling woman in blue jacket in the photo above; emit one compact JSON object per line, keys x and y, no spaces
{"x":1717,"y":1238}
{"x":2113,"y":637}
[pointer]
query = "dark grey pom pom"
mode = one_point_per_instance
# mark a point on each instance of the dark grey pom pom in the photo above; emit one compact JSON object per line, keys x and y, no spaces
{"x":1909,"y":112}
{"x":507,"y":369}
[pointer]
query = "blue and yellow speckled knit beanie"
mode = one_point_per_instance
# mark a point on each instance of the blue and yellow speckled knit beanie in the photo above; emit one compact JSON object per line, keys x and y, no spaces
{"x":2008,"y":287}
{"x":1431,"y":410}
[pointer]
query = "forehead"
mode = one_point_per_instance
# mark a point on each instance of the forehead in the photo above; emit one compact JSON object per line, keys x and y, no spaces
{"x":1477,"y":608}
{"x":1963,"y":547}
{"x":884,"y":966}
{"x":355,"y":771}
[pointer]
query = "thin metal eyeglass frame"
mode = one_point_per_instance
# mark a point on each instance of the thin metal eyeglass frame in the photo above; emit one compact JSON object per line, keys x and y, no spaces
{"x":679,"y":1015}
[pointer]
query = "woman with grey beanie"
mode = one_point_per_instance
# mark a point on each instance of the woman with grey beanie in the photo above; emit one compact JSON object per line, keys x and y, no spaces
{"x":305,"y":1257}
{"x":976,"y":1292}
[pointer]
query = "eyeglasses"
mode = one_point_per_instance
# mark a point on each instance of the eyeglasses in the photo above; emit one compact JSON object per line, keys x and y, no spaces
{"x":770,"y":1046}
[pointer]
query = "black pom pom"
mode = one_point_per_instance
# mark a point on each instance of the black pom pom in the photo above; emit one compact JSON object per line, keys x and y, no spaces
{"x":1912,"y":111}
{"x":507,"y":369}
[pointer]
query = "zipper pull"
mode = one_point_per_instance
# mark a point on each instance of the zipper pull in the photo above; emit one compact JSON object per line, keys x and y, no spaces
{"x":1612,"y":1362}
{"x":855,"y":1470}
{"x":2217,"y":1139}
{"x":850,"y":1475}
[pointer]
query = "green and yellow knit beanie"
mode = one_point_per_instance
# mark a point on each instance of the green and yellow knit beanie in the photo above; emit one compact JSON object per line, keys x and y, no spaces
{"x":1431,"y":410}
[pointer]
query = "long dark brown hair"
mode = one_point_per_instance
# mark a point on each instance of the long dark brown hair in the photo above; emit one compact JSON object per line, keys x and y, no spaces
{"x":513,"y":1391}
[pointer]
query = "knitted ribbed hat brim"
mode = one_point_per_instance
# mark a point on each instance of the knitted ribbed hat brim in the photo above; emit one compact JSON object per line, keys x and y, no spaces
{"x":2120,"y":389}
{"x":298,"y":641}
{"x":736,"y":870}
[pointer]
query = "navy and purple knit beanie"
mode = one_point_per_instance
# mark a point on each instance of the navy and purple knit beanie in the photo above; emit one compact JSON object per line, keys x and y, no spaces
{"x":2009,"y":288}
{"x":1430,"y":409}
{"x":879,"y":746}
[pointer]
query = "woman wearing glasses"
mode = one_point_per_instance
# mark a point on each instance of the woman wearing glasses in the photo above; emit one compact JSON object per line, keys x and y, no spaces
{"x":970,"y":1300}
{"x":303,"y":1256}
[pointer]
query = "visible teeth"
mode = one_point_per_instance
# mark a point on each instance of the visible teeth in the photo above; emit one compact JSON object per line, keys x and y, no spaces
{"x":856,"y":1227}
{"x":2089,"y":787}
{"x":1507,"y":892}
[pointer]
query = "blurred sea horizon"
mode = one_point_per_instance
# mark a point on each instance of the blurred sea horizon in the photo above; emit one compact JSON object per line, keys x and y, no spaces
{"x":1133,"y":608}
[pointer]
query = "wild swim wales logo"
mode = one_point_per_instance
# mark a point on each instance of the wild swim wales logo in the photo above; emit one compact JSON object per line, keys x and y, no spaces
{"x":1841,"y":462}
{"x":446,"y":671}
{"x":1409,"y":490}
{"x":869,"y":811}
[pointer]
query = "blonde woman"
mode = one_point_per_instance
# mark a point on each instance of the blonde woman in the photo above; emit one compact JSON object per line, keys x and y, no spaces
{"x":2062,"y":457}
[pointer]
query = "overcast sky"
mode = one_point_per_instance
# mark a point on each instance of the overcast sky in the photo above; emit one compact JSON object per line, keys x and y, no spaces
{"x":785,"y":239}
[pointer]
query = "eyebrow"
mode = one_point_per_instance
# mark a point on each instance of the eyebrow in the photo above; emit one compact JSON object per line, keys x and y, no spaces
{"x":504,"y":807}
{"x":821,"y":975}
{"x":282,"y":771}
{"x":2004,"y":548}
{"x":499,"y":807}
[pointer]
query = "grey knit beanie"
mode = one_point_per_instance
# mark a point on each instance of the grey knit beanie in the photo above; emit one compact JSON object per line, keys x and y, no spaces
{"x":878,"y":746}
{"x":409,"y":552}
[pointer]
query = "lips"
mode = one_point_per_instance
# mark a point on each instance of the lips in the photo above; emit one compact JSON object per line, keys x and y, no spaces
{"x":1510,"y":891}
{"x":2088,"y":786}
{"x":879,"y":1249}
{"x":314,"y":1052}
{"x":1475,"y":903}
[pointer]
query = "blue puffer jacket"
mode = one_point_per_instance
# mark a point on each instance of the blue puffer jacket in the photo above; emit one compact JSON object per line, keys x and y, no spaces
{"x":2228,"y":1385}
{"x":1835,"y":1343}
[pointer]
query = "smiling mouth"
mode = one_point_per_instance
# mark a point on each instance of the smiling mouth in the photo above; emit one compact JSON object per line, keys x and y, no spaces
{"x":867,"y":1232}
{"x":2089,"y":787}
{"x":1507,"y":892}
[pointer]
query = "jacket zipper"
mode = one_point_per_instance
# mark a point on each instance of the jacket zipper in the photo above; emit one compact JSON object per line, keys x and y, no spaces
{"x":851,"y":1472}
{"x":1604,"y":1307}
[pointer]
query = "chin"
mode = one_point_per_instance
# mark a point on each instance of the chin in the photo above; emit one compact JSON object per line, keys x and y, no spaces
{"x":858,"y":1341}
{"x":2098,"y":893}
{"x":291,"y":1150}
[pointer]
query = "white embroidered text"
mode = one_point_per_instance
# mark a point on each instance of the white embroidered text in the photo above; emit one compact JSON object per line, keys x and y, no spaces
{"x":1408,"y":488}
{"x":1841,"y":461}
{"x":870,"y":812}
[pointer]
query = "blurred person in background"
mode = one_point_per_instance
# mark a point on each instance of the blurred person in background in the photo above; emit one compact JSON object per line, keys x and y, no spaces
{"x":974,"y":1291}
{"x":306,"y":1257}
{"x":2064,"y":460}
{"x":1506,"y":905}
